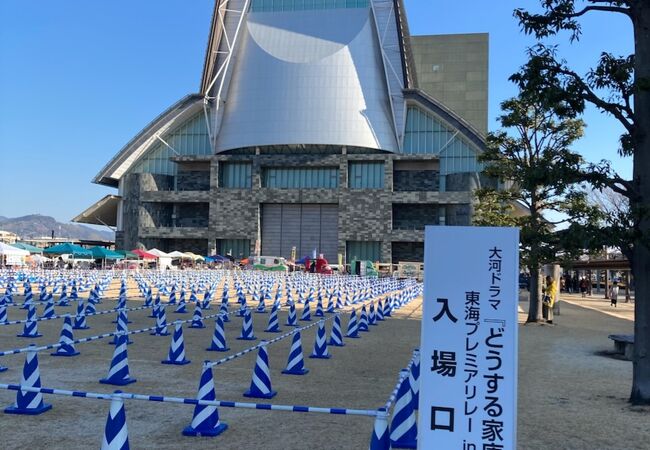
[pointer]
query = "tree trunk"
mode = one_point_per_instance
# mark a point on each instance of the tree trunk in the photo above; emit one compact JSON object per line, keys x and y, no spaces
{"x":641,"y":254}
{"x":534,"y":294}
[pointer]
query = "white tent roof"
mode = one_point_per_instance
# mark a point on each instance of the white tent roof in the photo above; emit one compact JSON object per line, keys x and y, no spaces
{"x":177,"y":254}
{"x":158,"y":253}
{"x":9,"y":250}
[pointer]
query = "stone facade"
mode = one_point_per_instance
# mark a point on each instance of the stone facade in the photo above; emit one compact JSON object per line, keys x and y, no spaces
{"x":182,"y":214}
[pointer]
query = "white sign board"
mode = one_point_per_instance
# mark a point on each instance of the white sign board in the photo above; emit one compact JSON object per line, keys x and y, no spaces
{"x":468,"y":377}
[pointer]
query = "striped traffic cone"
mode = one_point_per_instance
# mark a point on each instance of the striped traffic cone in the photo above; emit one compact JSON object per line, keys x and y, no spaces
{"x":176,"y":355}
{"x":353,"y":327}
{"x":205,"y":421}
{"x":380,"y":439}
{"x":118,"y":373}
{"x":48,"y":310}
{"x":206,"y":300}
{"x":295,"y":362}
{"x":66,"y":339}
{"x":182,"y":306}
{"x":336,"y":337}
{"x":372,"y":317}
{"x":247,"y":333}
{"x":387,"y":307}
{"x":218,"y":338}
{"x":116,"y":434}
{"x":121,"y":327}
{"x":3,"y":313}
{"x":63,"y":298}
{"x":29,"y":296}
{"x":339,"y":301}
{"x":363,"y":321}
{"x":261,"y":307}
{"x":414,"y":379}
{"x":172,"y":296}
{"x":223,"y":311}
{"x":30,"y":403}
{"x":90,"y":308}
{"x":148,"y":300}
{"x":320,"y":343}
{"x":291,"y":318}
{"x":319,"y":307}
{"x":306,"y":314}
{"x":274,"y":325}
{"x":80,"y":318}
{"x":197,"y":318}
{"x":161,"y":323}
{"x":403,"y":429}
{"x":261,"y":382}
{"x":156,"y":306}
{"x":330,"y":304}
{"x":30,"y":329}
{"x":380,"y":311}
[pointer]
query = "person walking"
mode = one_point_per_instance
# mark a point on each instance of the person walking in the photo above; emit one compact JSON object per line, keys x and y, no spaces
{"x":583,"y":287}
{"x":548,"y":300}
{"x":613,"y":294}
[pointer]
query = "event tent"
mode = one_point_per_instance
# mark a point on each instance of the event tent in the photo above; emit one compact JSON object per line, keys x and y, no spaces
{"x":176,"y":254}
{"x":142,"y":254}
{"x":29,"y":248}
{"x":164,"y":260}
{"x":104,"y":253}
{"x":127,"y":254}
{"x":12,"y":256}
{"x":73,"y":250}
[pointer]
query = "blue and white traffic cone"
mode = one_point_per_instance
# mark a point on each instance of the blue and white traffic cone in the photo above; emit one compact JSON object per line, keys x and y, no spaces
{"x":172,"y":296}
{"x":339,"y":301}
{"x":403,"y":429}
{"x":161,"y":323}
{"x":247,"y":333}
{"x":218,"y":338}
{"x":176,"y":355}
{"x":205,"y":421}
{"x":29,"y":296}
{"x":3,"y":313}
{"x":118,"y":373}
{"x":90,"y":308}
{"x":182,"y":306}
{"x":242,"y":309}
{"x":330,"y":304}
{"x":156,"y":306}
{"x":320,"y":343}
{"x":116,"y":434}
{"x":80,"y":318}
{"x":380,"y":439}
{"x":336,"y":336}
{"x":66,"y":339}
{"x":261,"y":307}
{"x":296,"y":362}
{"x":206,"y":300}
{"x":372,"y":317}
{"x":319,"y":307}
{"x":30,"y":329}
{"x":387,"y":307}
{"x":414,"y":379}
{"x":223,"y":311}
{"x":380,"y":311}
{"x":148,"y":299}
{"x":274,"y":325}
{"x":121,"y":327}
{"x":48,"y":310}
{"x":197,"y":318}
{"x":306,"y":314}
{"x":291,"y":317}
{"x":30,"y":403}
{"x":363,"y":321}
{"x":261,"y":382}
{"x":353,"y":326}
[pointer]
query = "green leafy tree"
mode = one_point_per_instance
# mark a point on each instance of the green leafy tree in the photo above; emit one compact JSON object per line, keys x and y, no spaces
{"x":532,"y":155}
{"x":620,"y":87}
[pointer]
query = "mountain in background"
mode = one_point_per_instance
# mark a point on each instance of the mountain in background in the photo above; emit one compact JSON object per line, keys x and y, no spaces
{"x":36,"y":225}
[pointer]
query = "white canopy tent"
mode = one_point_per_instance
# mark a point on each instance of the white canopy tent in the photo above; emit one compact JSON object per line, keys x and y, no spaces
{"x":12,"y":256}
{"x":164,"y":259}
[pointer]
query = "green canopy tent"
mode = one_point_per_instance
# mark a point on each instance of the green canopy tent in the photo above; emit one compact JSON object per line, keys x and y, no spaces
{"x":75,"y":251}
{"x":127,"y":254}
{"x":105,"y":254}
{"x":30,"y":248}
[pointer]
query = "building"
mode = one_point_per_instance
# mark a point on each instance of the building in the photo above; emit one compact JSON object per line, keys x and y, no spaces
{"x":7,"y":237}
{"x":320,"y":125}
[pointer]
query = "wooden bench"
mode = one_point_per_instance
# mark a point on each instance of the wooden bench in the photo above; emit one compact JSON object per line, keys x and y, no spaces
{"x":623,"y":344}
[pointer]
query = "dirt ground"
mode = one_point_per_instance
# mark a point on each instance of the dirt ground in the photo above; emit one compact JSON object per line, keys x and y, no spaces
{"x":360,"y":375}
{"x":570,"y":397}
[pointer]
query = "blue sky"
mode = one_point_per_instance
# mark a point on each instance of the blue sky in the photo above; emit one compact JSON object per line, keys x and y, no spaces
{"x":79,"y":78}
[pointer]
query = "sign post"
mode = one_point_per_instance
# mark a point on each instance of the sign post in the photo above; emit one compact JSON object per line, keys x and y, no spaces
{"x":468,"y":380}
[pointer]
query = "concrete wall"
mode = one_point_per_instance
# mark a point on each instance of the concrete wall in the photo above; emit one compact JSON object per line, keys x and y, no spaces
{"x":454,"y":70}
